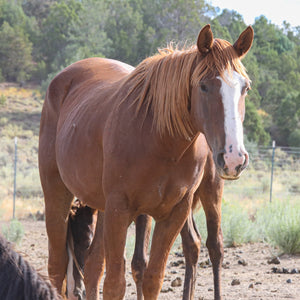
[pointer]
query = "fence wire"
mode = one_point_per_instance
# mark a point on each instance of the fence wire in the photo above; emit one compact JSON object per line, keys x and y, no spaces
{"x":253,"y":185}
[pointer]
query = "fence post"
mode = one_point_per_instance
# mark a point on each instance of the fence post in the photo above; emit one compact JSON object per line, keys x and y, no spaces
{"x":272,"y":169}
{"x":15,"y":176}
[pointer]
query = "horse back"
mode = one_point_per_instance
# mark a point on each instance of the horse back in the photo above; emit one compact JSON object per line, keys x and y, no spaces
{"x":73,"y":97}
{"x":83,"y":76}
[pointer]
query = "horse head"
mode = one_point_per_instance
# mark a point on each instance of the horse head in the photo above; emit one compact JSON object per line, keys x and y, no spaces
{"x":218,"y":92}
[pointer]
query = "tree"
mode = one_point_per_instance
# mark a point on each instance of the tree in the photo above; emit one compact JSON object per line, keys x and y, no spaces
{"x":37,"y":9}
{"x":254,"y":129}
{"x":233,"y":22}
{"x":176,"y":20}
{"x":287,"y":118}
{"x":56,"y":31}
{"x":88,"y":36}
{"x":123,"y":28}
{"x":15,"y":53}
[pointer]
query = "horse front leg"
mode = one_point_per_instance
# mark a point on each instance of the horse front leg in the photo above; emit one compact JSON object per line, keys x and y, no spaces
{"x":117,"y":217}
{"x":139,"y":260}
{"x":95,"y":261}
{"x":214,"y":244}
{"x":211,"y":191}
{"x":165,"y":233}
{"x":191,"y":243}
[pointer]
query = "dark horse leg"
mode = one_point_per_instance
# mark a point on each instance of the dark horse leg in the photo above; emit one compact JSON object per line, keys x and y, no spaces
{"x":139,"y":260}
{"x":191,"y":242}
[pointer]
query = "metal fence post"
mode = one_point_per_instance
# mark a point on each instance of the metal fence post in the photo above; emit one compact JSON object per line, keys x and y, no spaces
{"x":15,"y":176}
{"x":272,"y":169}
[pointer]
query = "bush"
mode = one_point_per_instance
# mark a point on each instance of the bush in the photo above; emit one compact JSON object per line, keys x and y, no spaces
{"x":294,"y":138}
{"x":236,"y":226}
{"x":280,"y":224}
{"x":1,"y":76}
{"x":2,"y":100}
{"x":13,"y":232}
{"x":15,"y":53}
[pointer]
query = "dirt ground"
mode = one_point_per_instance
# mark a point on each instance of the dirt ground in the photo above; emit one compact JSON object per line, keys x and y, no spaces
{"x":247,"y":272}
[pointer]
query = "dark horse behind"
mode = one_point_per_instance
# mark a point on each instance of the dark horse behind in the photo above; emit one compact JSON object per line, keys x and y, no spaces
{"x":18,"y":280}
{"x":143,"y":141}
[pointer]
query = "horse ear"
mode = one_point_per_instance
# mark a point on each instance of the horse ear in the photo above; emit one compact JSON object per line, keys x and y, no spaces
{"x":244,"y":42}
{"x":205,"y":40}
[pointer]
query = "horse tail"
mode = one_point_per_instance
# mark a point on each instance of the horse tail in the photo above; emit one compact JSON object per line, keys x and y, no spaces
{"x":71,"y":248}
{"x":75,"y":277}
{"x":19,"y":280}
{"x":81,"y":229}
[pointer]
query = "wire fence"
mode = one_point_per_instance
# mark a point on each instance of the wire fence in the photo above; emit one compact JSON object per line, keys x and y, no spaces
{"x":273,"y":174}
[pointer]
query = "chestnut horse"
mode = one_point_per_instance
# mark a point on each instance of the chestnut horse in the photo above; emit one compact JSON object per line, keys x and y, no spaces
{"x":135,"y":141}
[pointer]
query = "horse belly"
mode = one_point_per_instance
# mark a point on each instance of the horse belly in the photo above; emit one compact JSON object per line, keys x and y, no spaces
{"x":80,"y":166}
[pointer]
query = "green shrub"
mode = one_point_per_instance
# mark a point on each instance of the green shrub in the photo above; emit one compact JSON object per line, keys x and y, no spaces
{"x":14,"y":231}
{"x":2,"y":99}
{"x":280,"y":224}
{"x":1,"y":76}
{"x":236,"y":225}
{"x":294,"y":138}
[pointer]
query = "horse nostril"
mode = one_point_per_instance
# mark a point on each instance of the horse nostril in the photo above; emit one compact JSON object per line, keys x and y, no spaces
{"x":242,"y":166}
{"x":239,"y":168}
{"x":220,"y":160}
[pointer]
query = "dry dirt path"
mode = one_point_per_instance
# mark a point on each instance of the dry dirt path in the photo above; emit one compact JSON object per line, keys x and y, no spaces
{"x":247,"y":265}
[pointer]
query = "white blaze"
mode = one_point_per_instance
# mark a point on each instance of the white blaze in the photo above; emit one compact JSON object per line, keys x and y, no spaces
{"x":231,"y":90}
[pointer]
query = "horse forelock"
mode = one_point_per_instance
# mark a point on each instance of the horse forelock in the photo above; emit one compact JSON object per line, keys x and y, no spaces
{"x":221,"y":58}
{"x":162,"y":83}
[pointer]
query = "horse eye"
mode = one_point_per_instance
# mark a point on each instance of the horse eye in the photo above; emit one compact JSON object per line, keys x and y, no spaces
{"x":204,"y":88}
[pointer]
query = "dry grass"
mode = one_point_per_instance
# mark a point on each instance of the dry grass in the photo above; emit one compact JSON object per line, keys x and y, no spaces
{"x":19,"y":117}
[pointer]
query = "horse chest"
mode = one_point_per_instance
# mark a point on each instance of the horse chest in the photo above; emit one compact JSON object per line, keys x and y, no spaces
{"x":162,"y":192}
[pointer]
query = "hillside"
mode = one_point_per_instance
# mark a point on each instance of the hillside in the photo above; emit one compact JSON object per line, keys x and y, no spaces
{"x":40,"y":38}
{"x":20,"y":110}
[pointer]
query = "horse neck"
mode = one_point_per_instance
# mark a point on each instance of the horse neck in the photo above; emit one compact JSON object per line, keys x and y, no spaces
{"x":174,"y":147}
{"x":142,"y":125}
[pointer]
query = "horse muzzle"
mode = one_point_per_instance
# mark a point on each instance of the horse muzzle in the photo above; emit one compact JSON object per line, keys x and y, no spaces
{"x":230,"y":167}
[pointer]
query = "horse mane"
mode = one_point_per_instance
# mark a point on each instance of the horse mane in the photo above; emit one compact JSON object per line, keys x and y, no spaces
{"x":19,"y":280}
{"x":162,"y":83}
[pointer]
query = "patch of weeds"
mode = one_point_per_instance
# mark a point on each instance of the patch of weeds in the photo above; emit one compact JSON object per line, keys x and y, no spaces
{"x":3,"y":100}
{"x":14,"y":231}
{"x":280,"y":223}
{"x":236,"y":225}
